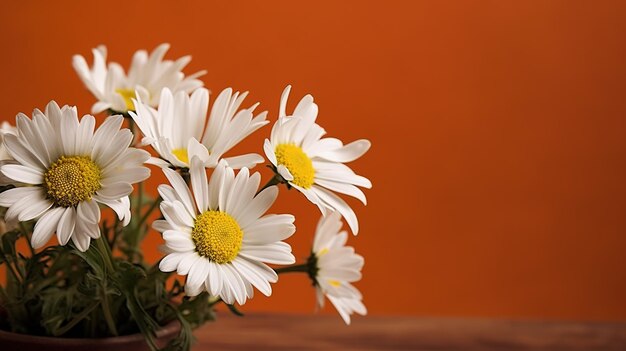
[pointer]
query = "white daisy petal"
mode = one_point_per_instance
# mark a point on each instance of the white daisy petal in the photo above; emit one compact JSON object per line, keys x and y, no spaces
{"x":197,"y":276}
{"x":171,"y":261}
{"x":37,"y":207}
{"x":276,"y":253}
{"x":45,"y":227}
{"x":253,"y":276}
{"x":161,"y":225}
{"x":11,"y":196}
{"x":22,"y":205}
{"x":199,"y":185}
{"x":269,"y":229}
{"x":120,"y":206}
{"x":23,"y":174}
{"x":20,"y":153}
{"x":66,"y":226}
{"x":81,"y":241}
{"x":236,"y":283}
{"x":215,"y":279}
{"x":343,"y":188}
{"x":181,"y":189}
{"x":187,"y":262}
{"x":259,"y":205}
{"x":347,"y":153}
{"x":269,"y":152}
{"x":247,"y":160}
{"x":339,"y":205}
{"x":115,"y":191}
{"x":178,"y":241}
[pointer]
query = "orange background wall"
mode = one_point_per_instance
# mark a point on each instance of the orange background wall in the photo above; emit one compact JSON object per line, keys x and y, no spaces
{"x":498,"y":130}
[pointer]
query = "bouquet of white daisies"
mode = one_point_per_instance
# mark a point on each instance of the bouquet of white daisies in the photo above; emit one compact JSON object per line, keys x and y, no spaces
{"x":59,"y":171}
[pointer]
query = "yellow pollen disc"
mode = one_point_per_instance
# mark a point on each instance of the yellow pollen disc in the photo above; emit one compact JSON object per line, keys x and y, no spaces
{"x":127,"y":94}
{"x":181,"y":154}
{"x":217,"y":236}
{"x":297,"y":162}
{"x":322,"y":252}
{"x":334,"y":283}
{"x":72,"y":179}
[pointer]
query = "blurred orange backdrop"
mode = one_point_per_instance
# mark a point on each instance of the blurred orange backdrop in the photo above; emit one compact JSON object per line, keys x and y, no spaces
{"x":498,"y":131}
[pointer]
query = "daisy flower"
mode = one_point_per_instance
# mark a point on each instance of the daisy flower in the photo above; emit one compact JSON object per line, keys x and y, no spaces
{"x":220,"y":237}
{"x":176,"y":130}
{"x":147,"y":76}
{"x":67,"y":169}
{"x":333,"y":266}
{"x":313,"y":165}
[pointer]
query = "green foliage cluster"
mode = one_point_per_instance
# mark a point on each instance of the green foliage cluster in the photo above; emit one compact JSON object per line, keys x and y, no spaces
{"x":109,"y":290}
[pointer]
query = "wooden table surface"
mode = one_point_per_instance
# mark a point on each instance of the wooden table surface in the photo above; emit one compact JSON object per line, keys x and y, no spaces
{"x":326,"y":332}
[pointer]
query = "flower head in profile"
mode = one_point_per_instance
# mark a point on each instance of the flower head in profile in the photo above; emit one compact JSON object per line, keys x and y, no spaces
{"x":147,"y":76}
{"x":315,"y":165}
{"x":333,"y":266}
{"x":176,"y":130}
{"x":66,"y":167}
{"x":219,"y":236}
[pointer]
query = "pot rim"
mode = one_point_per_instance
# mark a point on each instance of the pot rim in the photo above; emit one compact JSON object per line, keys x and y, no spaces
{"x":167,"y":330}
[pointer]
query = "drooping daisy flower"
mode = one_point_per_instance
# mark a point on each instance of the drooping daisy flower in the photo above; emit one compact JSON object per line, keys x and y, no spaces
{"x":176,"y":129}
{"x":334,"y":266}
{"x":148,"y":75}
{"x":68,"y":169}
{"x":220,"y":238}
{"x":313,"y":165}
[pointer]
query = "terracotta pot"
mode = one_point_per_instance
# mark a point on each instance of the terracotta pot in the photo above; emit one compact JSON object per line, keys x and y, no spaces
{"x":135,"y":342}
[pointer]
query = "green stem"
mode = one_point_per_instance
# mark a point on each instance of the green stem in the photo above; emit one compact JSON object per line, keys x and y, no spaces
{"x":145,"y":216}
{"x":303,"y":268}
{"x":131,"y":127}
{"x":274,"y":181}
{"x":79,"y":317}
{"x":116,"y":230}
{"x":139,"y":204}
{"x":106,"y":310}
{"x":105,"y":252}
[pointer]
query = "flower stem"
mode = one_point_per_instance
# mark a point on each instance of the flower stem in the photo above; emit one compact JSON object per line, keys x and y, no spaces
{"x":139,"y":204}
{"x":304,"y":268}
{"x":145,"y":216}
{"x":105,"y":252}
{"x":274,"y":181}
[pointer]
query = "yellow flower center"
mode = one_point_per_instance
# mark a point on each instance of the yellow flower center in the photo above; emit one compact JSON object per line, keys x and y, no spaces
{"x":217,"y":236}
{"x":181,"y":154}
{"x":127,"y":95}
{"x":297,"y":162}
{"x":72,"y":179}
